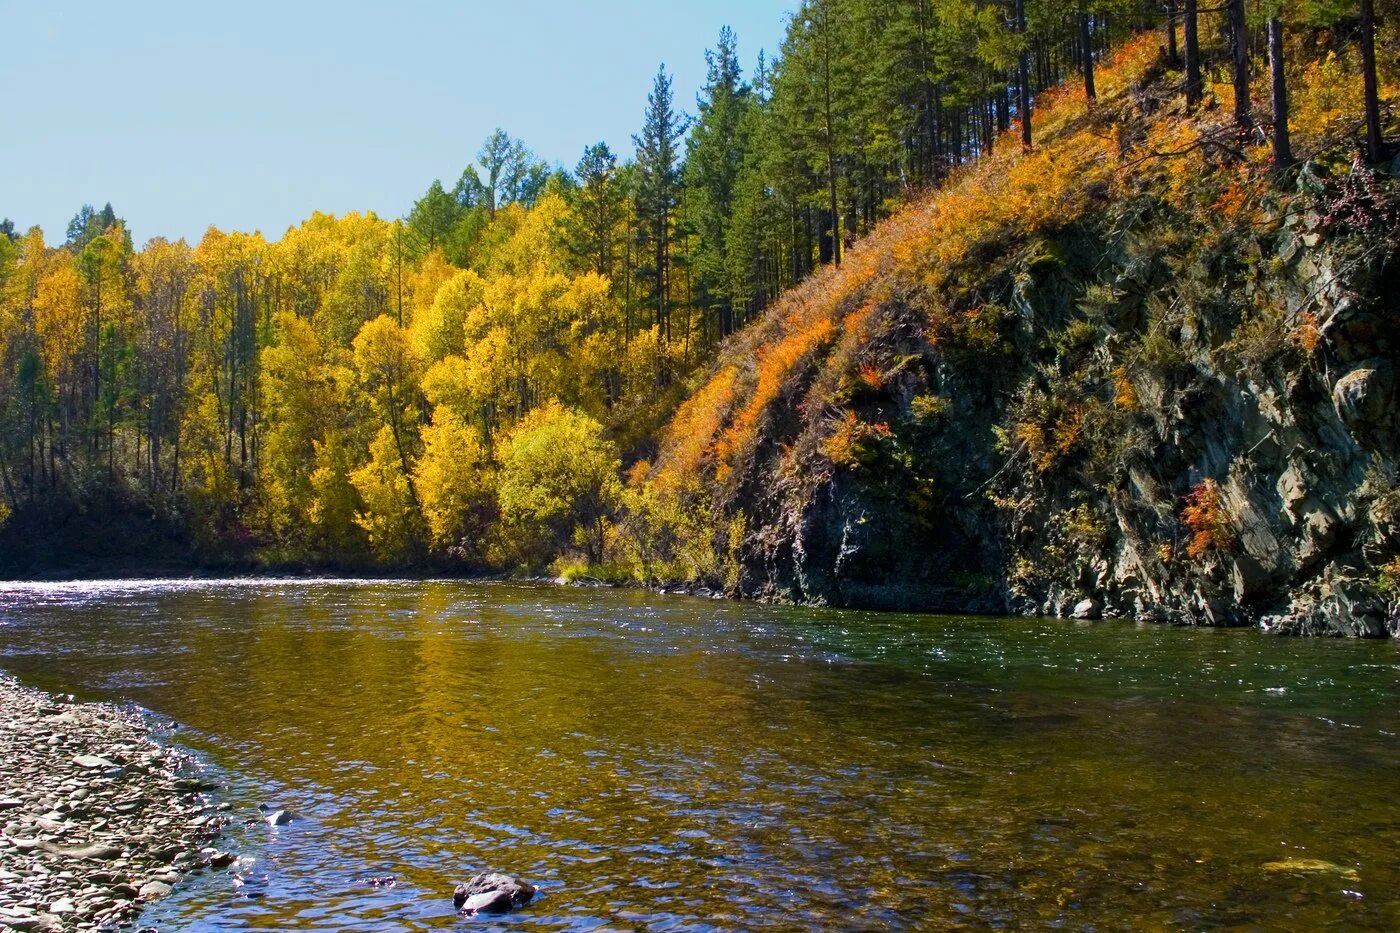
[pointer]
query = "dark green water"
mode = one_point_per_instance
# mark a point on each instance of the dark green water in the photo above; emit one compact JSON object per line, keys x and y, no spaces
{"x":666,"y":763}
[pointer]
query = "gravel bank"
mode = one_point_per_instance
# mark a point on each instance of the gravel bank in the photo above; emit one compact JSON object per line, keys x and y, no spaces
{"x":96,"y":817}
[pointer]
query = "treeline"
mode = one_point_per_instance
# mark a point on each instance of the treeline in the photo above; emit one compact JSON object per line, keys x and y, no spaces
{"x":467,"y":383}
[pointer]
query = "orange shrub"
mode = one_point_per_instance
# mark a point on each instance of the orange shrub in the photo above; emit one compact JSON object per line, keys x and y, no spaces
{"x":1125,"y":394}
{"x":871,"y":377}
{"x":1049,"y":445}
{"x":775,"y":365}
{"x":846,"y":444}
{"x":1208,"y":521}
{"x":1307,"y":333}
{"x":694,"y":426}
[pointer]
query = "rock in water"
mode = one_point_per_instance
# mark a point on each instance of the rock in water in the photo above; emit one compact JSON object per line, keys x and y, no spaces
{"x":280,"y":818}
{"x":155,"y":890}
{"x":1088,"y":609}
{"x":492,"y":893}
{"x":1312,"y":866}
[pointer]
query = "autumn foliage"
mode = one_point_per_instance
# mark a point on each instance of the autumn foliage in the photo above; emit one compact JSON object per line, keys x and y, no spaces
{"x":1206,"y":518}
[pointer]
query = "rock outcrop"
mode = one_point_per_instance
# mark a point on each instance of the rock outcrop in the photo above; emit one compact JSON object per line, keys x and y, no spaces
{"x":1133,"y":385}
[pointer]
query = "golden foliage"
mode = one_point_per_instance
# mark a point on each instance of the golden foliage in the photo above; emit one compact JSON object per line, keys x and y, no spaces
{"x":1048,"y":444}
{"x":776,"y":364}
{"x":1205,"y":516}
{"x":1125,"y":394}
{"x":847,"y":445}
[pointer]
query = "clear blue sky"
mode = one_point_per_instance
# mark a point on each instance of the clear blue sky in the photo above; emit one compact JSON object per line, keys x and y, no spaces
{"x":252,"y":114}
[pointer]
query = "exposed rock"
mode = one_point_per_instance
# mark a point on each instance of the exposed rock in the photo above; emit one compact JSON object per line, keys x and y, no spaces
{"x":280,"y":818}
{"x":492,"y":892}
{"x":98,"y":852}
{"x":94,"y":814}
{"x":154,"y":890}
{"x":1025,"y":472}
{"x":1088,"y":609}
{"x":1365,"y":398}
{"x":94,"y":762}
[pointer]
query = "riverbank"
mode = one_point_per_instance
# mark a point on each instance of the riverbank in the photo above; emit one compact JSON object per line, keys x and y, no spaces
{"x":1308,"y":621}
{"x":97,"y":818}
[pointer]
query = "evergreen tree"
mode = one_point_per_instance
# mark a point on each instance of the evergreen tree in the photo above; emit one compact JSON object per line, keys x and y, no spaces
{"x":592,"y":228}
{"x":658,"y":191}
{"x":433,"y":217}
{"x":714,"y":158}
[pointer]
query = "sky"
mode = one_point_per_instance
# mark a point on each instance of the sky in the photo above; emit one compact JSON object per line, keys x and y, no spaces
{"x":253,"y":114}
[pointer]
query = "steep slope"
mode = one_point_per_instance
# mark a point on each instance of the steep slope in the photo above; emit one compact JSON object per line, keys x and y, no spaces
{"x":1127,"y":373}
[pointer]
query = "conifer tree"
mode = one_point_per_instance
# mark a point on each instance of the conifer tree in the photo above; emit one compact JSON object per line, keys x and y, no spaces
{"x":658,"y":191}
{"x":592,"y":228}
{"x":714,"y":157}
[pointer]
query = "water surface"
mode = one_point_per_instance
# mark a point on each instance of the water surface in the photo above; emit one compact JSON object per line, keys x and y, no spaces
{"x":667,"y":763}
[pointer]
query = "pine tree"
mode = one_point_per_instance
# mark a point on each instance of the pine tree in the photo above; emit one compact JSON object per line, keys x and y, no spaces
{"x":1375,"y":144}
{"x":592,"y":228}
{"x":1283,"y":151}
{"x":1239,"y":55}
{"x":1195,"y":88}
{"x":433,"y":217}
{"x":658,"y":190}
{"x":714,"y":157}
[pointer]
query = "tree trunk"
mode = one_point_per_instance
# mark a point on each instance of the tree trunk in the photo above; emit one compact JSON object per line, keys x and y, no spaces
{"x":1195,"y":88}
{"x":1283,"y":151}
{"x":1173,"y":54}
{"x":830,"y":144}
{"x":1088,"y":53}
{"x":1023,"y":76}
{"x":1239,"y":52}
{"x":1375,"y":144}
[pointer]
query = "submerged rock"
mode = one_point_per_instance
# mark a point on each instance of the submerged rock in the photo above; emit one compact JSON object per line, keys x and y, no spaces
{"x":1311,"y":866}
{"x":492,"y":893}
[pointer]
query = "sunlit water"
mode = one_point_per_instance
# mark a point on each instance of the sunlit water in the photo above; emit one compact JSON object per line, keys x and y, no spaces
{"x":668,"y":763}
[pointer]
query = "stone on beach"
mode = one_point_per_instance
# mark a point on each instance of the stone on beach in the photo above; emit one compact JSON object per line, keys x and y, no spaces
{"x":94,"y":761}
{"x":96,"y":817}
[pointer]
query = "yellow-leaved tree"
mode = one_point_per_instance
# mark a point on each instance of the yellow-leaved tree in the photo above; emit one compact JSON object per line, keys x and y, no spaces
{"x":456,"y":478}
{"x":558,"y":483}
{"x":387,"y":373}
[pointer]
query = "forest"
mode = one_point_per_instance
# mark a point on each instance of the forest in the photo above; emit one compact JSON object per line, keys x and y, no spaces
{"x":535,"y":368}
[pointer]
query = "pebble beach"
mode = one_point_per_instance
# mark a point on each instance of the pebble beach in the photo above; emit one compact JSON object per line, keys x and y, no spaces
{"x":97,"y":817}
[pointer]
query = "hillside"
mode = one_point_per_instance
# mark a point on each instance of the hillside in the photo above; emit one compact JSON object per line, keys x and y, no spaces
{"x":1131,"y":372}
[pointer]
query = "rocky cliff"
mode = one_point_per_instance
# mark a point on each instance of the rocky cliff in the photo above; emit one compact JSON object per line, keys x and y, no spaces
{"x":1131,"y":373}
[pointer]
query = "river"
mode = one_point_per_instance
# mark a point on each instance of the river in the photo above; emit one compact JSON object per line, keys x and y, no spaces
{"x":675,"y":763}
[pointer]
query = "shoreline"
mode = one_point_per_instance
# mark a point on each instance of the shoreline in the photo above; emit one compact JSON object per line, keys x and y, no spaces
{"x":1288,"y":623}
{"x":97,"y":817}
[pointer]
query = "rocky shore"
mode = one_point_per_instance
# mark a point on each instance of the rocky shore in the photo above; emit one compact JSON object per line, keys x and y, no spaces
{"x":97,"y":818}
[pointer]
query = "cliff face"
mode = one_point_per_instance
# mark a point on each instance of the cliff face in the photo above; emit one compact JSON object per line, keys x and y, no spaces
{"x":1130,"y":373}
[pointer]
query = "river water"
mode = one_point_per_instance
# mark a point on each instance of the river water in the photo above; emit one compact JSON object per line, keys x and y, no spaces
{"x":673,"y":763}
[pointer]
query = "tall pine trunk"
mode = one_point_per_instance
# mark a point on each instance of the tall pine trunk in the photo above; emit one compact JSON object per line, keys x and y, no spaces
{"x":1088,"y":52}
{"x":1023,"y":77}
{"x":1173,"y":54}
{"x":1239,"y":52}
{"x":1283,"y":151}
{"x":1375,"y":145}
{"x":833,"y":204}
{"x":1195,"y":88}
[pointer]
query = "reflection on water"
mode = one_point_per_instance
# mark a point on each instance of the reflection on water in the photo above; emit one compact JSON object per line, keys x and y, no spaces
{"x":662,"y":763}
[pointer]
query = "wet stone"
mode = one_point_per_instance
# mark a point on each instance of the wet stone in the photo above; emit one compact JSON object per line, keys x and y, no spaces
{"x":80,"y":849}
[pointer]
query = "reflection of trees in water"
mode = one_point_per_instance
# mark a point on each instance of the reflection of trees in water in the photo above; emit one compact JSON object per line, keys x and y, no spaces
{"x":746,"y":763}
